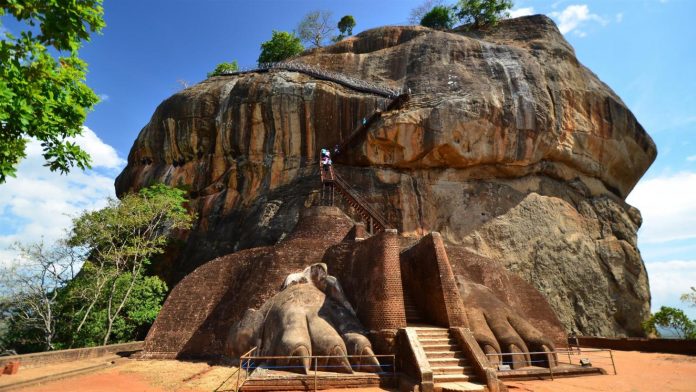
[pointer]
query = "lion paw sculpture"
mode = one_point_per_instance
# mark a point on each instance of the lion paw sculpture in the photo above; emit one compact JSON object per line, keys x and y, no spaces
{"x":309,"y":316}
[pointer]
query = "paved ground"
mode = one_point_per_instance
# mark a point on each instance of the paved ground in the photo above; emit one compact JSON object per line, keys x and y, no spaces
{"x":637,"y":372}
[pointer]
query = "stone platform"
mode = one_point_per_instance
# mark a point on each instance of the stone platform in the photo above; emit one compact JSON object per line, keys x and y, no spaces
{"x":269,"y":379}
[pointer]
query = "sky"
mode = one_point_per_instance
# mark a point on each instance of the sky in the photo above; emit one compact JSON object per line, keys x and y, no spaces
{"x":643,"y":49}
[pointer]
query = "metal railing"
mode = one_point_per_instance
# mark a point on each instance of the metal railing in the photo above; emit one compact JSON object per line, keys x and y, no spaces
{"x":319,"y":73}
{"x":374,"y":220}
{"x":594,"y":356}
{"x":250,"y":364}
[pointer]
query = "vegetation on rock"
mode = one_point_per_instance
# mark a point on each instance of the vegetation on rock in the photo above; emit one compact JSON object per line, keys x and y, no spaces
{"x":316,"y":28}
{"x":43,"y":94}
{"x":224,"y":68}
{"x":345,"y":26}
{"x":281,"y":46}
{"x":440,"y":17}
{"x":481,"y":13}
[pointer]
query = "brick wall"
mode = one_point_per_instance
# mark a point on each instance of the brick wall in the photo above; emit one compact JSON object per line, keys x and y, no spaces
{"x":429,"y":280}
{"x":370,"y":274}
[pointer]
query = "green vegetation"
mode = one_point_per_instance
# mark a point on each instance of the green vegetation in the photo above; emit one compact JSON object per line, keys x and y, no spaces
{"x":315,"y":28}
{"x":45,"y":303}
{"x":482,"y":13}
{"x":345,"y":26}
{"x":281,"y":46}
{"x":440,"y":17}
{"x":673,"y":321}
{"x":42,"y":96}
{"x":224,"y":68}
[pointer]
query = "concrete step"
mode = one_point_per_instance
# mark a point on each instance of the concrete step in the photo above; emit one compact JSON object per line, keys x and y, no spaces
{"x":427,"y":340}
{"x":438,"y":378}
{"x":434,"y":354}
{"x":440,"y":347}
{"x":433,"y":334}
{"x":462,"y":386}
{"x":448,"y":361}
{"x":452,"y":369}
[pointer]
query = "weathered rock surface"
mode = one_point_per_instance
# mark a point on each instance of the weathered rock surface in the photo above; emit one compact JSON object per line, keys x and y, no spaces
{"x":509,"y":147}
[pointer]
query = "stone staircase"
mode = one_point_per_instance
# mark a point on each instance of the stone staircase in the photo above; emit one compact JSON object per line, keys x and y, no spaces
{"x":451,"y":369}
{"x":413,"y":315}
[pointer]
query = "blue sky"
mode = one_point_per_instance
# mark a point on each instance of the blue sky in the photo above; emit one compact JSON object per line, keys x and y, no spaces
{"x":643,"y":49}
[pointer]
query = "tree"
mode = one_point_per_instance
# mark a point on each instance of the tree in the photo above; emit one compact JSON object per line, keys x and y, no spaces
{"x":30,"y":288}
{"x":440,"y":17}
{"x":224,"y":68}
{"x":281,"y":46}
{"x":481,"y":13}
{"x":315,"y":28}
{"x":345,"y":25}
{"x":121,"y":238}
{"x":419,"y":12}
{"x":674,"y":321}
{"x":42,"y":96}
{"x":690,"y":298}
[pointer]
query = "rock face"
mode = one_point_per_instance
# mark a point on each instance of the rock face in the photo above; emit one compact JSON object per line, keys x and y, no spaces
{"x":509,"y":147}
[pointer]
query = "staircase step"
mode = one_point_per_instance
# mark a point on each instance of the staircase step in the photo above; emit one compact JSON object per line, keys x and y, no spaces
{"x":460,"y":386}
{"x":448,"y":361}
{"x":433,"y":334}
{"x":438,"y":378}
{"x":444,"y":354}
{"x":428,"y":340}
{"x":452,"y":369}
{"x":440,"y":347}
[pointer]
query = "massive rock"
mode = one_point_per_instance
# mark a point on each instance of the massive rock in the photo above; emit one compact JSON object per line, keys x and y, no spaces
{"x":509,"y":147}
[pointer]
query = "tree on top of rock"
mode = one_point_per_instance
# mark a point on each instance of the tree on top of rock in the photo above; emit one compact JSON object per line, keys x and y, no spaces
{"x":481,"y":13}
{"x":316,"y":28}
{"x":346,"y":24}
{"x":43,"y":95}
{"x":417,"y":13}
{"x":440,"y":17}
{"x":223,"y":68}
{"x":281,"y":46}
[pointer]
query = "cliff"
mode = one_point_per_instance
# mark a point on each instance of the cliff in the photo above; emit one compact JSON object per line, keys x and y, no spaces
{"x":508,"y":146}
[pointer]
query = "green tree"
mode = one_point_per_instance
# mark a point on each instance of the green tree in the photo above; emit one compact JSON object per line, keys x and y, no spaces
{"x":43,"y":96}
{"x":346,"y":24}
{"x":672,"y":320}
{"x":281,"y":46}
{"x":481,"y":13}
{"x":121,"y":238}
{"x":315,"y":28}
{"x":440,"y":17}
{"x":224,"y":68}
{"x":419,"y":12}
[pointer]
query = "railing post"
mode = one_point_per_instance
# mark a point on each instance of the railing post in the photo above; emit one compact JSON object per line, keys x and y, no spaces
{"x":611,"y":354}
{"x":315,"y":374}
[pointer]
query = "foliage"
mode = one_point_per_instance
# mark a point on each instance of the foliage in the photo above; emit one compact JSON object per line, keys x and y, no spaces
{"x":121,"y":239}
{"x":689,"y":298}
{"x":30,"y":288}
{"x":674,"y":321}
{"x":345,"y":25}
{"x":281,"y":46}
{"x":481,"y":13}
{"x":41,"y":96}
{"x":440,"y":17}
{"x":315,"y":28}
{"x":223,"y":68}
{"x":419,"y":12}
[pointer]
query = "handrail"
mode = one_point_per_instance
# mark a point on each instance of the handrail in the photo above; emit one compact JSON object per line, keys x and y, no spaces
{"x":556,"y":353}
{"x":378,"y":221}
{"x":319,"y":73}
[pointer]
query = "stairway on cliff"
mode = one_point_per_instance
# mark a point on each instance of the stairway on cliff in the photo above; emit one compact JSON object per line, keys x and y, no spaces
{"x":413,"y":315}
{"x":451,"y":369}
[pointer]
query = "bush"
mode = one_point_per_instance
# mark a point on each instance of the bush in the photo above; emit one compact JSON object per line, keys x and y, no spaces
{"x":672,"y":320}
{"x":480,"y":13}
{"x":440,"y":17}
{"x":281,"y":46}
{"x":224,"y":68}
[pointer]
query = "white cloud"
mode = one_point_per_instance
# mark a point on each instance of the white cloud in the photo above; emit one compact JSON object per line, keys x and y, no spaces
{"x":619,"y":17}
{"x":103,"y":97}
{"x":516,"y":13}
{"x":573,"y":16}
{"x":669,"y":280}
{"x":103,"y":155}
{"x":668,"y":206}
{"x":691,"y":158}
{"x":40,"y":204}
